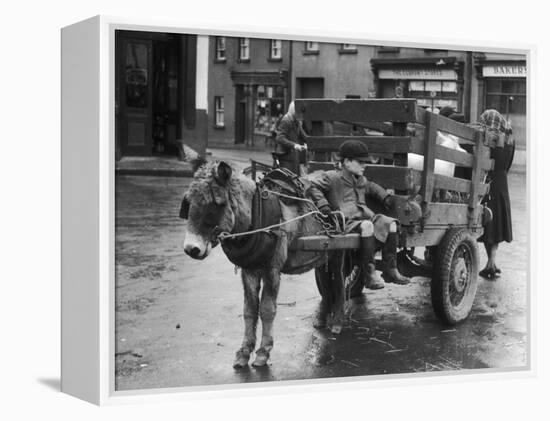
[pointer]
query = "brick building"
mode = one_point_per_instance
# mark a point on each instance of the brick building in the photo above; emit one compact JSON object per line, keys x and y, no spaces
{"x":248,"y":88}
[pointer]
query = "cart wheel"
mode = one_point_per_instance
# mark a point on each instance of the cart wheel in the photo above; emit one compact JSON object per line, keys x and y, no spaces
{"x":322,"y":281}
{"x":454,"y":280}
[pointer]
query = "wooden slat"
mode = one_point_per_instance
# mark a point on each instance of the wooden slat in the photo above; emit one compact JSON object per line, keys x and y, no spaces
{"x":476,"y":188}
{"x":460,"y":158}
{"x":461,"y":130}
{"x":388,"y":176}
{"x":430,"y":136}
{"x":452,"y":183}
{"x":391,"y":177}
{"x":360,"y":110}
{"x":320,"y":166}
{"x":376,"y":144}
{"x":458,"y":185}
{"x":379,"y":126}
{"x":389,"y":145}
{"x":432,"y":236}
{"x":428,"y":237}
{"x":447,"y":214}
{"x":323,"y":242}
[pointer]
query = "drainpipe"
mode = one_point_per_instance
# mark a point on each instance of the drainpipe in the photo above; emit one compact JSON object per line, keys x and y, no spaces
{"x":290,"y":75}
{"x":468,"y":86}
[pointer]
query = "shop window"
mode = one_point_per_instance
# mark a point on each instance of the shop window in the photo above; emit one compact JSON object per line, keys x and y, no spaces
{"x":348,"y":49}
{"x":424,"y":87}
{"x":506,"y":86}
{"x":244,"y":49}
{"x":220,"y":49}
{"x":433,"y":93}
{"x":508,"y":96}
{"x":507,"y":104}
{"x":275,"y":50}
{"x":269,"y":108}
{"x":311,"y":47}
{"x":219,"y":111}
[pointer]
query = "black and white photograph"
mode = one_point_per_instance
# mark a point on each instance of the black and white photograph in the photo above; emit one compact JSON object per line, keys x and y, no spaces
{"x":279,"y":210}
{"x":292,"y":209}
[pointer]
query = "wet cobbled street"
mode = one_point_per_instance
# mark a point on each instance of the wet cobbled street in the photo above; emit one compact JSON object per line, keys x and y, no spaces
{"x":179,"y":321}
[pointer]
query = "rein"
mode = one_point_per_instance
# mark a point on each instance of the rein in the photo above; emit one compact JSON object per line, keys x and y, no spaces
{"x":225,"y":235}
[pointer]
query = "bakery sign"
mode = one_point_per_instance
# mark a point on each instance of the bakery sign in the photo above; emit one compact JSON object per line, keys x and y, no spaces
{"x":505,"y":70}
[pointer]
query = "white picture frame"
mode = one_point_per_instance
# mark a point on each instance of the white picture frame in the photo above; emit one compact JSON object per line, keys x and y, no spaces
{"x":88,"y":214}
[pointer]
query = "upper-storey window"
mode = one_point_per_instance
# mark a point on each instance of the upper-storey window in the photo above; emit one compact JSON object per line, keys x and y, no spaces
{"x":219,"y":111}
{"x":311,"y":47}
{"x":275,"y":50}
{"x":244,"y":49}
{"x":348,"y":48}
{"x":220,"y":48}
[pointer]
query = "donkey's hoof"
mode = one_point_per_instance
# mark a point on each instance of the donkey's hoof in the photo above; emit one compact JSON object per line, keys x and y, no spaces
{"x":240,"y":363}
{"x":241,"y":359}
{"x":261,"y":358}
{"x":336,"y":328}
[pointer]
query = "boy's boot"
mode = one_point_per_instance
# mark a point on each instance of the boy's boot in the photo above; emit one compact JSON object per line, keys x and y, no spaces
{"x":372,"y":279}
{"x":390,"y":273}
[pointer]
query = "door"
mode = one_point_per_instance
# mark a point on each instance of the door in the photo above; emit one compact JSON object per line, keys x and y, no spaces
{"x":311,"y":88}
{"x":165,"y":96}
{"x":240,"y":114}
{"x":240,"y":123}
{"x":135,"y":96}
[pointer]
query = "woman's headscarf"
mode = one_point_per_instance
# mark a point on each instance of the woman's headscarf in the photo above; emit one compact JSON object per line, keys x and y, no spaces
{"x":493,"y":120}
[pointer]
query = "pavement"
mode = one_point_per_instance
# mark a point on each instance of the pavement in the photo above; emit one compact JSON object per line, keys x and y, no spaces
{"x":170,"y":166}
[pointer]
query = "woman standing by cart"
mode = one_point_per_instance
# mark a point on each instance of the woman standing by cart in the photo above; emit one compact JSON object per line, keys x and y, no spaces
{"x":498,"y":199}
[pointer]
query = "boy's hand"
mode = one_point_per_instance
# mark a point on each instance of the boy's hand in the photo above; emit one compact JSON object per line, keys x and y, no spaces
{"x":325,"y":210}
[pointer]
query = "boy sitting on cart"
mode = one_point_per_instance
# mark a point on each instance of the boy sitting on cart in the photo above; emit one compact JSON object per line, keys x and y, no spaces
{"x":346,"y":190}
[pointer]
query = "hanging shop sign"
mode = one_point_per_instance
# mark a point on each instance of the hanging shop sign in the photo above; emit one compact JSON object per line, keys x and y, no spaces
{"x":426,"y":73}
{"x":505,"y":70}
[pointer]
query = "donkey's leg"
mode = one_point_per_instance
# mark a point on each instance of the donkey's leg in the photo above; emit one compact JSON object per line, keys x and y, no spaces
{"x":323,"y":283}
{"x":268,"y":310}
{"x":251,"y":286}
{"x":337,"y":283}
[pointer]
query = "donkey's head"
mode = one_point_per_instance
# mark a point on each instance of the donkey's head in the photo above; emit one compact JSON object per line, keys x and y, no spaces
{"x":206,"y":206}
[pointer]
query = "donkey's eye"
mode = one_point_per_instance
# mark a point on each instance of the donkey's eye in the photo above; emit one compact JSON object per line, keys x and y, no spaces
{"x":212,"y":214}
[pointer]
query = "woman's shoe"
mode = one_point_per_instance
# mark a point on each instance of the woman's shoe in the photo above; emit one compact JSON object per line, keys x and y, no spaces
{"x":488,"y":273}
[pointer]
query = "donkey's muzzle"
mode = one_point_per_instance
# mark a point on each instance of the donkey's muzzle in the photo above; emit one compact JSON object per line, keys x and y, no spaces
{"x":194,"y":252}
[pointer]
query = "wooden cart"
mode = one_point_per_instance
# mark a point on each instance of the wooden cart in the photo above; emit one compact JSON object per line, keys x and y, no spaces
{"x":393,"y":129}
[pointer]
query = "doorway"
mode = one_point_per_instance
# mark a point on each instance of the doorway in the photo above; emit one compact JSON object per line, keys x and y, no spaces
{"x":307,"y":87}
{"x":147,"y":93}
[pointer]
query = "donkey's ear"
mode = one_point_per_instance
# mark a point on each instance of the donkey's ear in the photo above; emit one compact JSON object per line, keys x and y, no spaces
{"x":223,"y":173}
{"x":184,"y":209}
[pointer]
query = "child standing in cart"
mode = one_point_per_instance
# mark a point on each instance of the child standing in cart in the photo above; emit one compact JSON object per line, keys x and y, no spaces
{"x":346,"y":190}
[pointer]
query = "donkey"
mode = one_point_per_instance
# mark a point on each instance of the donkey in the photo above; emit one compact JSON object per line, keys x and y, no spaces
{"x":220,"y":200}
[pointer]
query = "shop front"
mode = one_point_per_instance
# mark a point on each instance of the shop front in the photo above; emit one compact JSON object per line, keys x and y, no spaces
{"x":261,"y":98}
{"x":504,"y":88}
{"x":154,"y":91}
{"x":434,"y":82}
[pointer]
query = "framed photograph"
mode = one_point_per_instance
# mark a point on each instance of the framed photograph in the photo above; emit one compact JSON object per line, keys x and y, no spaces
{"x":243,"y":210}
